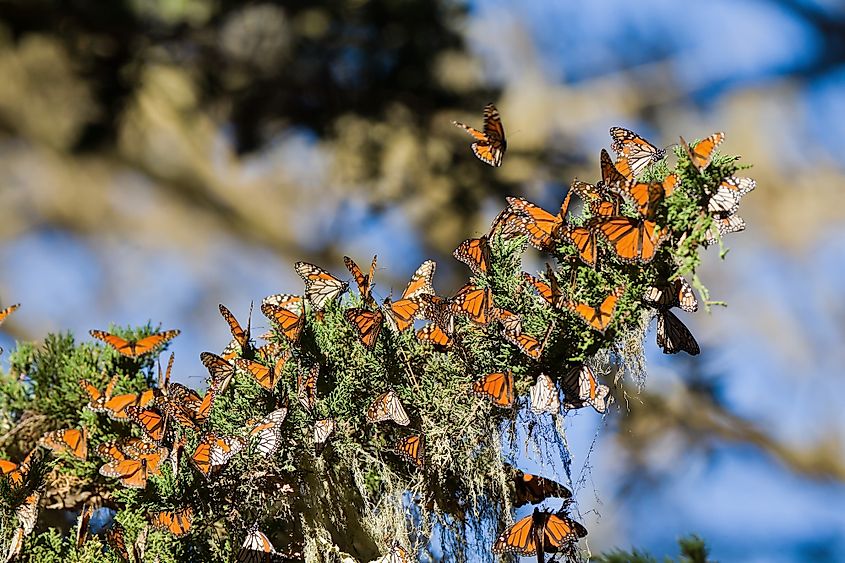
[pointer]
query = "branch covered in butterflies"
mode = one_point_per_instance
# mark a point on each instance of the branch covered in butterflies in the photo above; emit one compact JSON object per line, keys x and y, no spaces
{"x":393,"y":395}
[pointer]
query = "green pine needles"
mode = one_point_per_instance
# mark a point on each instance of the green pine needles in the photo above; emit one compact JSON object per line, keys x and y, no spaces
{"x":369,"y":487}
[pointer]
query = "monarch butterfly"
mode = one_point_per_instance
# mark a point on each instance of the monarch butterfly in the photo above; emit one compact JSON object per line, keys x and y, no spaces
{"x":584,"y":239}
{"x":215,"y":451}
{"x":475,"y":302}
{"x":598,"y":318}
{"x":582,"y":389}
{"x":724,"y":226}
{"x":187,"y":406}
{"x":135,"y":348}
{"x":323,"y":429}
{"x":365,"y":282}
{"x":542,"y":227}
{"x":256,"y":547}
{"x":7,"y":311}
{"x":648,"y":195}
{"x":600,"y":201}
{"x":439,"y":310}
{"x":510,"y":321}
{"x":115,"y":406}
{"x":367,"y":324}
{"x":69,"y":440}
{"x":723,"y":201}
{"x":132,"y":461}
{"x":412,"y":449}
{"x":177,"y":522}
{"x":397,"y":554}
{"x":422,"y":281}
{"x":320,"y":286}
{"x":387,"y":406}
{"x":508,"y":224}
{"x":267,"y":432}
{"x":400,"y":314}
{"x":290,"y":316}
{"x":267,"y":378}
{"x":611,"y":177}
{"x":16,"y":472}
{"x":702,"y":153}
{"x":82,"y":526}
{"x":550,"y":292}
{"x":636,"y":151}
{"x":531,"y":489}
{"x":27,"y":512}
{"x":544,"y":396}
{"x":240,"y":334}
{"x":551,"y":532}
{"x":677,"y":293}
{"x":529,"y":345}
{"x":116,"y":538}
{"x":497,"y":388}
{"x":674,"y":336}
{"x":631,"y":239}
{"x":740,"y":186}
{"x":489,"y":145}
{"x":306,"y":386}
{"x":151,"y":421}
{"x":475,"y":253}
{"x":434,"y":334}
{"x":220,"y":370}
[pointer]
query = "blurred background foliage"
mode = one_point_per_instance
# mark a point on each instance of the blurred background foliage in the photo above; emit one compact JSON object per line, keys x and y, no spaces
{"x":159,"y":157}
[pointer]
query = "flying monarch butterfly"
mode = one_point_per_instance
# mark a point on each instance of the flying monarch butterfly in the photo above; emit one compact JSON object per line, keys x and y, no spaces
{"x":581,"y":389}
{"x":397,"y":554}
{"x":510,"y":321}
{"x":215,"y":451}
{"x":323,"y":429}
{"x":400,"y":315}
{"x":550,"y":532}
{"x":633,"y":240}
{"x":266,"y":377}
{"x":412,"y":448}
{"x":598,"y":318}
{"x":306,"y":387}
{"x":220,"y":370}
{"x":647,"y":196}
{"x":434,"y":334}
{"x":497,"y":388}
{"x":475,"y":302}
{"x":267,"y":432}
{"x":489,"y":145}
{"x":367,"y":324}
{"x":636,"y":151}
{"x":532,"y":489}
{"x":177,"y":522}
{"x":240,"y":334}
{"x":256,"y":547}
{"x":387,"y":406}
{"x":724,"y":226}
{"x":475,"y":253}
{"x":677,"y":293}
{"x":674,"y":336}
{"x":529,"y":345}
{"x":320,"y":286}
{"x":542,"y":227}
{"x":544,"y":396}
{"x":71,"y":440}
{"x":702,"y":153}
{"x":82,"y":526}
{"x":135,"y":348}
{"x":365,"y":282}
{"x":290,"y":317}
{"x":132,"y":461}
{"x":7,"y":311}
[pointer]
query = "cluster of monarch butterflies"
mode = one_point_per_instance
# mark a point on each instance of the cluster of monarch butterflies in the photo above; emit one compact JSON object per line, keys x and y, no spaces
{"x":622,"y":223}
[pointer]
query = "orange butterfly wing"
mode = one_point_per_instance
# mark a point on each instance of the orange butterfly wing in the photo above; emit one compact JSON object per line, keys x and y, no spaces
{"x":598,"y":318}
{"x":475,"y":253}
{"x":702,"y":153}
{"x":496,"y":387}
{"x":152,"y":422}
{"x":474,"y":302}
{"x":8,"y":310}
{"x":131,"y":348}
{"x":262,"y":374}
{"x":402,"y":313}
{"x":177,"y":522}
{"x":529,"y":345}
{"x":71,"y":440}
{"x":633,"y":240}
{"x":412,"y":449}
{"x":367,"y":323}
{"x":434,"y":334}
{"x":541,"y":226}
{"x":518,"y":538}
{"x":289,"y":322}
{"x":240,"y":334}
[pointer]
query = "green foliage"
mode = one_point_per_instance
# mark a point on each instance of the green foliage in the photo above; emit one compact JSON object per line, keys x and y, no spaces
{"x":693,"y":550}
{"x":353,"y":497}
